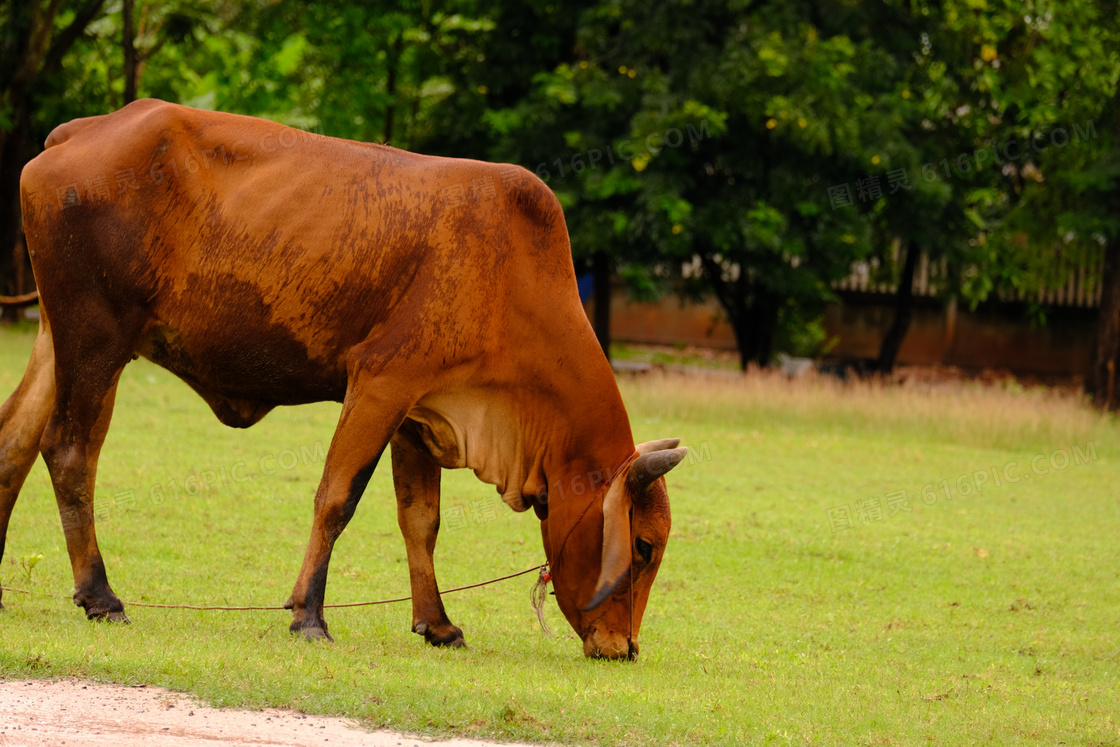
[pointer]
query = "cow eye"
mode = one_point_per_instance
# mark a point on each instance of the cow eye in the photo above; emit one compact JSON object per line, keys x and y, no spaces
{"x":644,"y":549}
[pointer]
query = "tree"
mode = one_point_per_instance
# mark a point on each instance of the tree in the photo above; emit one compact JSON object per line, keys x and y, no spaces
{"x":1051,"y":80}
{"x":751,"y":152}
{"x":371,"y":72}
{"x":159,"y":23}
{"x":713,"y":134}
{"x":930,"y":87}
{"x":35,"y":36}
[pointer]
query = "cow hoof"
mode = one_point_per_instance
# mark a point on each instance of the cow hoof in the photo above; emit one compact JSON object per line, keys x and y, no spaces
{"x":453,"y":643}
{"x":117,"y":616}
{"x":312,"y":627}
{"x":315,"y":634}
{"x":451,"y":637}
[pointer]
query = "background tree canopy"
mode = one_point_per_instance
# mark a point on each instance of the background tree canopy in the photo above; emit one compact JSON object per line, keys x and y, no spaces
{"x":751,"y":151}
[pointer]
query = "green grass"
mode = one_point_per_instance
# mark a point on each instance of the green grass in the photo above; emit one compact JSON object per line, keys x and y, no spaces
{"x":987,"y":619}
{"x":678,"y":355}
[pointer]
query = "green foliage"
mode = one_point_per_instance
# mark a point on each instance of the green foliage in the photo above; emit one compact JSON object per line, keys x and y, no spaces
{"x":1026,"y":72}
{"x":699,"y":133}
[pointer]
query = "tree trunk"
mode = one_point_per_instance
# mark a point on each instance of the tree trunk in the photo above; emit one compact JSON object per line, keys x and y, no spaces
{"x":904,"y":303}
{"x":765,"y":327}
{"x":1101,"y":382}
{"x":752,"y":313}
{"x":601,"y":275}
{"x":742,"y":335}
{"x":12,"y":159}
{"x":754,"y":327}
{"x":128,"y":43}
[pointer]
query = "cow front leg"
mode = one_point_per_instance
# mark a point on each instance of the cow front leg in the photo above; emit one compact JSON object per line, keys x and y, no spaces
{"x":416,"y":480}
{"x":368,"y":420}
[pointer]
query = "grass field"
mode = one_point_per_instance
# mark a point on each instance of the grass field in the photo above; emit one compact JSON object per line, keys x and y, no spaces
{"x":986,"y":618}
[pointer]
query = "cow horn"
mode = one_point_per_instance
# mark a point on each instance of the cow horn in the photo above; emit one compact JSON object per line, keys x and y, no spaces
{"x":616,"y":542}
{"x":659,"y":445}
{"x":649,"y":467}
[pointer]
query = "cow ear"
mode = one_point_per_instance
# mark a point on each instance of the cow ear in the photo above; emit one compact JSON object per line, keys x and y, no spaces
{"x":660,"y":445}
{"x":649,"y":467}
{"x":616,"y":543}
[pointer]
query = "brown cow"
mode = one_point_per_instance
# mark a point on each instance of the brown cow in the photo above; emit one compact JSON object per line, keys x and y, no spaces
{"x":434,"y":298}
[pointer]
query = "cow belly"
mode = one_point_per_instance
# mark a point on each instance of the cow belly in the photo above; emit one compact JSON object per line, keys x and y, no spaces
{"x":243,"y":376}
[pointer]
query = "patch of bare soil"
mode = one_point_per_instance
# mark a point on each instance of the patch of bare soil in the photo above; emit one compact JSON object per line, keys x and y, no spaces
{"x":71,"y":712}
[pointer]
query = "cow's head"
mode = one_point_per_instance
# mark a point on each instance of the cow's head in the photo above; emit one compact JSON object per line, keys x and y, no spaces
{"x":619,"y":537}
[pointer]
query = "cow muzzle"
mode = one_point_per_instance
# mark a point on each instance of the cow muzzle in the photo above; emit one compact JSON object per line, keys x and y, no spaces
{"x":599,"y":645}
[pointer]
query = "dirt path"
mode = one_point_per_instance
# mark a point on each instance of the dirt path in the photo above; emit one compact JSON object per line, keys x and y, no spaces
{"x":71,"y":712}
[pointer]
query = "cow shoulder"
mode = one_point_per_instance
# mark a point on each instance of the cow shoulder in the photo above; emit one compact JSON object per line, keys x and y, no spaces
{"x":536,"y":221}
{"x":533,"y":198}
{"x":118,"y":119}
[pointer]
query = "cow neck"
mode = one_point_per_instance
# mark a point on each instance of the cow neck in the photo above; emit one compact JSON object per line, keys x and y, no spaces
{"x":585,"y":422}
{"x":600,"y":494}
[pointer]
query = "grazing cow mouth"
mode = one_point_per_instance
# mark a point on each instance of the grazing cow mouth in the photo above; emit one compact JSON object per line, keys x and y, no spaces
{"x":598,"y":645}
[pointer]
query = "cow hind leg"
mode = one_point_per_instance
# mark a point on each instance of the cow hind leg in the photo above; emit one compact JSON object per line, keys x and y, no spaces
{"x":22,"y":420}
{"x":416,"y":480}
{"x":86,"y":386}
{"x":372,"y":411}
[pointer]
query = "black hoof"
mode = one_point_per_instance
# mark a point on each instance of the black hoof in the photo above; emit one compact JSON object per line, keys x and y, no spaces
{"x":311,"y":631}
{"x":450,"y":636}
{"x":108,"y":612}
{"x":106,"y":616}
{"x":316,"y":634}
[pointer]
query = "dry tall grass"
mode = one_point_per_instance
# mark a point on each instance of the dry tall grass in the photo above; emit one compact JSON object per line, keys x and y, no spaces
{"x":1002,"y":416}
